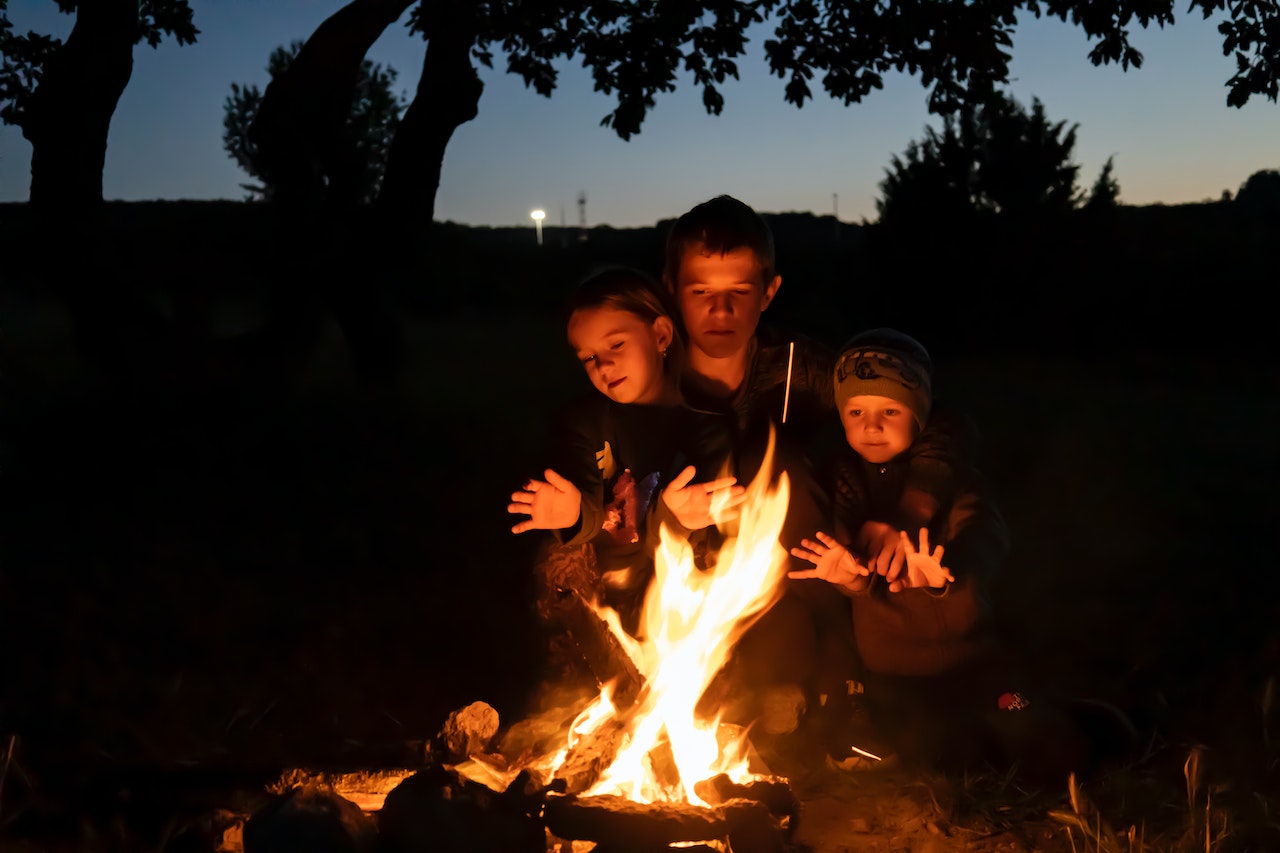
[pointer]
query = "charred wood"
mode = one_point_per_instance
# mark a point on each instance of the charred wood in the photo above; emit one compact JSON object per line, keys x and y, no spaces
{"x":604,"y":655}
{"x":591,"y":756}
{"x":436,"y":810}
{"x":622,"y":825}
{"x":311,"y":817}
{"x":776,"y":794}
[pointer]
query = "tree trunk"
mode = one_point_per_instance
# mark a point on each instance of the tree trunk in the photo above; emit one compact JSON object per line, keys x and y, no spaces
{"x":301,"y":126}
{"x":71,"y":109}
{"x":301,"y":132}
{"x":447,"y":97}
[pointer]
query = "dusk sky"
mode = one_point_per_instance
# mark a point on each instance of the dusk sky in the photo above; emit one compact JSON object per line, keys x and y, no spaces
{"x":1173,"y":136}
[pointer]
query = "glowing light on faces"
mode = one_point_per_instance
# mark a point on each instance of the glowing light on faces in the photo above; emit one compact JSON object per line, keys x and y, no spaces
{"x":878,"y":428}
{"x":621,"y":352}
{"x":721,"y":298}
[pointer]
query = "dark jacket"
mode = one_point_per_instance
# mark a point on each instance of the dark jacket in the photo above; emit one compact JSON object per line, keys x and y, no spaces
{"x":745,"y":422}
{"x":618,"y":456}
{"x":924,"y":632}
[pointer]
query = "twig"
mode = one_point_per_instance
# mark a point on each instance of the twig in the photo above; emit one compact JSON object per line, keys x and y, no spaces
{"x":786,"y":394}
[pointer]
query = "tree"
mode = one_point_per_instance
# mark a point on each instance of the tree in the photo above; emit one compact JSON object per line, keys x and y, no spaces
{"x":371,"y":123}
{"x":63,"y":95}
{"x":996,"y":158}
{"x":1260,"y":194}
{"x":1105,"y":194}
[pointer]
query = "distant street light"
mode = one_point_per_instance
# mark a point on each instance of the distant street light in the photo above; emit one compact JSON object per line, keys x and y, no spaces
{"x":538,"y":216}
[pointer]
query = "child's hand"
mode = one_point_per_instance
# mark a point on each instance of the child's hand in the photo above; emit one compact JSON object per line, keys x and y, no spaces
{"x":923,"y":568}
{"x":833,"y":561}
{"x":551,"y":504}
{"x":883,"y":546}
{"x":701,"y":504}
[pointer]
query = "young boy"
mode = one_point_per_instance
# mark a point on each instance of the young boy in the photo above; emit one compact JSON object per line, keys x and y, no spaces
{"x":720,"y":269}
{"x":939,"y":686}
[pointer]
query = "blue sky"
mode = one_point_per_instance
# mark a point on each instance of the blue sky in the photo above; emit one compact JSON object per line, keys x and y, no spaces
{"x":1168,"y":125}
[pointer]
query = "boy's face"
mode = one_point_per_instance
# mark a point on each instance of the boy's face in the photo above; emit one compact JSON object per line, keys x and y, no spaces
{"x":878,"y":428}
{"x":721,"y":298}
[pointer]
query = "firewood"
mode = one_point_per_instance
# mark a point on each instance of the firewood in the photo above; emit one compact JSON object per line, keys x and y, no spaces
{"x":605,"y":656}
{"x":776,"y":794}
{"x":615,"y":822}
{"x":591,"y":756}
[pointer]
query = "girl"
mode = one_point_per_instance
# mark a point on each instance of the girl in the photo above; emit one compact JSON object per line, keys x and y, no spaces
{"x":611,"y":449}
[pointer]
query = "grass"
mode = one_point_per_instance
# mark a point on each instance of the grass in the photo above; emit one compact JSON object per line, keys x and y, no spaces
{"x":196,"y":593}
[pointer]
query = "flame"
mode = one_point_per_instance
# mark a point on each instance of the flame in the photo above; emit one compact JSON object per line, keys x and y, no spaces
{"x":690,"y":622}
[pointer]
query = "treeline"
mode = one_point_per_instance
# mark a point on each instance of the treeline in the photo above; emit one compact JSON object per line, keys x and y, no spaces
{"x":1127,"y":278}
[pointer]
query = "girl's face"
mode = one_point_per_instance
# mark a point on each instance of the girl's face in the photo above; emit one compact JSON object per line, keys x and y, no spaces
{"x":622,"y":353}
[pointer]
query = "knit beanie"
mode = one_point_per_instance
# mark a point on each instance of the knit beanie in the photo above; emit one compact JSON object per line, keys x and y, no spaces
{"x":886,"y":363}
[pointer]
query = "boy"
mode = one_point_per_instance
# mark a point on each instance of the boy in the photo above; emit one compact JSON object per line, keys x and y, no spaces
{"x":939,"y":686}
{"x":720,"y":270}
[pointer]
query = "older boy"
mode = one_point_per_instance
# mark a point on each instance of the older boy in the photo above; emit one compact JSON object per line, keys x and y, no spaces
{"x":720,"y":268}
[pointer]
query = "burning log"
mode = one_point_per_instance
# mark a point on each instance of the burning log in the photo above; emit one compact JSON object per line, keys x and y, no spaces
{"x":776,"y":794}
{"x":591,"y":756}
{"x":604,"y":655}
{"x":618,"y":823}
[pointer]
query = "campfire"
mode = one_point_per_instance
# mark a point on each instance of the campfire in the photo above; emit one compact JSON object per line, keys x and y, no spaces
{"x":642,"y":741}
{"x":642,"y":765}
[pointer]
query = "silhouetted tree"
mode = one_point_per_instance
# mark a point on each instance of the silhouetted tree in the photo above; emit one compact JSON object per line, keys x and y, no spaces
{"x":63,"y":95}
{"x":1105,"y":194}
{"x":1259,"y":195}
{"x":370,"y":125}
{"x":300,"y":129}
{"x":996,"y":158}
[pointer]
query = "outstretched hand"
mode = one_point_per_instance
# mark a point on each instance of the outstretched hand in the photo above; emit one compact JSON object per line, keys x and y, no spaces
{"x":701,"y":504}
{"x":551,"y":504}
{"x":833,"y":562}
{"x":923,"y":568}
{"x":882,"y":546}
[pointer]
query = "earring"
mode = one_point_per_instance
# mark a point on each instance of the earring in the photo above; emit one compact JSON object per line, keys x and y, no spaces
{"x":662,"y":353}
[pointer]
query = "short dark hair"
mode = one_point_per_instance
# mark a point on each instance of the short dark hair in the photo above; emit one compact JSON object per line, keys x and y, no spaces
{"x":721,"y":224}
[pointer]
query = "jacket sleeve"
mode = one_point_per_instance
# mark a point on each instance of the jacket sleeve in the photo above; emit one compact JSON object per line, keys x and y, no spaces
{"x":575,"y":441}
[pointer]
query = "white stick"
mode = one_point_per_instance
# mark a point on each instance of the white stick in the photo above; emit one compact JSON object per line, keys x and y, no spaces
{"x":786,"y":396}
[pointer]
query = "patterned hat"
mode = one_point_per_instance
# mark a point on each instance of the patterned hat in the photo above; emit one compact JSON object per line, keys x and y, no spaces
{"x":886,"y":363}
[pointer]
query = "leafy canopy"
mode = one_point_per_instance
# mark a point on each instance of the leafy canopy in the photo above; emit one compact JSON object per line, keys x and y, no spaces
{"x":961,"y":51}
{"x":23,"y":58}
